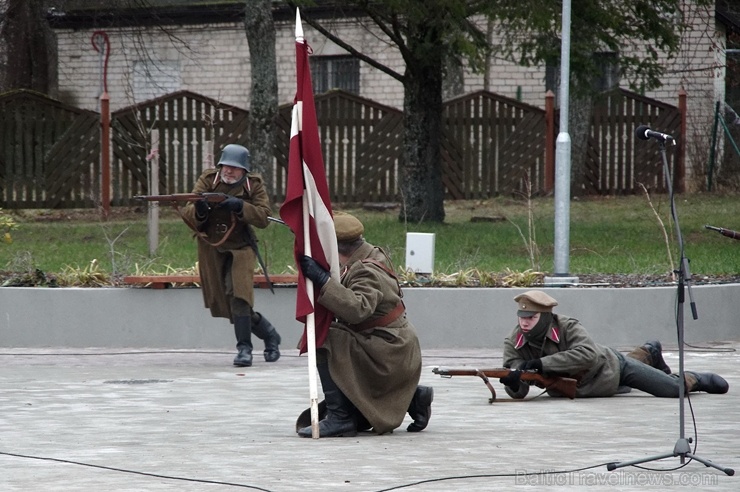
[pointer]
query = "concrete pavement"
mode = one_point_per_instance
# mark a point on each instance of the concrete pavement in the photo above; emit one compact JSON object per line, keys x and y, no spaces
{"x":186,"y":420}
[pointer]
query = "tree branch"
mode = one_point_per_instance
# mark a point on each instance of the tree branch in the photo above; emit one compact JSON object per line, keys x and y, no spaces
{"x":353,"y":51}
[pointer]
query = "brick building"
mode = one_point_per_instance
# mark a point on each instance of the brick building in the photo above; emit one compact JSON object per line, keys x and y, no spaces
{"x":202,"y":47}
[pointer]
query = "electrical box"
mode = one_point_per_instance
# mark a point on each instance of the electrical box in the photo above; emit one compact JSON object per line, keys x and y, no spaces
{"x":420,"y":252}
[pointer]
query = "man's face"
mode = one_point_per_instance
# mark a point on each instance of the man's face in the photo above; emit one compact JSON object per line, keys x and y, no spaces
{"x":526,"y":324}
{"x":231,"y":174}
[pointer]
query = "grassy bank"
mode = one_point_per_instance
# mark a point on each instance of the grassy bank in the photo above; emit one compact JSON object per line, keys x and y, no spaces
{"x":609,"y":235}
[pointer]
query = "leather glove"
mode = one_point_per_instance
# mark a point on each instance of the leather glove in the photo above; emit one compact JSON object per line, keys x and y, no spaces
{"x":512,"y":380}
{"x":201,"y":209}
{"x":233,"y":204}
{"x":532,"y":365}
{"x":312,"y":270}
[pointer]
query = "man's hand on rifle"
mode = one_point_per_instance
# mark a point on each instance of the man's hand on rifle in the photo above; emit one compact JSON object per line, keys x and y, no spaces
{"x":201,"y":209}
{"x":232,"y":204}
{"x":512,"y":380}
{"x":534,"y":365}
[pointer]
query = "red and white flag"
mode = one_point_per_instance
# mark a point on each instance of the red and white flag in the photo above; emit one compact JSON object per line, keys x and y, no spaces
{"x":307,"y":207}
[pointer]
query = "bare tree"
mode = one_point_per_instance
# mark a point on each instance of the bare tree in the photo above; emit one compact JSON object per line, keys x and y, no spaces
{"x":432,"y":36}
{"x":260,"y":29}
{"x":25,"y":33}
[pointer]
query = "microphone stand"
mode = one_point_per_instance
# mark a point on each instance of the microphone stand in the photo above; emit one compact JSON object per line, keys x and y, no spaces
{"x":681,"y":448}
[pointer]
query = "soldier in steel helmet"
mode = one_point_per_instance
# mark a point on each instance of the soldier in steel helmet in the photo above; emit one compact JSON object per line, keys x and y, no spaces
{"x":554,"y":344}
{"x":227,"y":249}
{"x":370,"y":363}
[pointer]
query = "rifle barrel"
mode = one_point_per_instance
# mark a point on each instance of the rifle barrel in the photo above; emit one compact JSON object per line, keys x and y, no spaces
{"x":566,"y":386}
{"x":724,"y":232}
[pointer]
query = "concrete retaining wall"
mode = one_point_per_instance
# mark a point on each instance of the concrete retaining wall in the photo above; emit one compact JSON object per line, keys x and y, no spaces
{"x":444,"y":318}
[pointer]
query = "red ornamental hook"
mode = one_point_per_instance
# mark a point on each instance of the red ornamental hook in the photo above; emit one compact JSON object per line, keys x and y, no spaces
{"x":93,"y":38}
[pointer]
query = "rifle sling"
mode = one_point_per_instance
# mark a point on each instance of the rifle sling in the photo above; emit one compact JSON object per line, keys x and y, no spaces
{"x":200,"y":235}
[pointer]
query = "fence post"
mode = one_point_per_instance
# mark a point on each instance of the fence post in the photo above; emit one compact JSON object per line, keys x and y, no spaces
{"x":549,"y":141}
{"x":153,"y":208}
{"x":681,"y":170}
{"x":105,"y":154}
{"x":99,"y":39}
{"x":208,"y":160}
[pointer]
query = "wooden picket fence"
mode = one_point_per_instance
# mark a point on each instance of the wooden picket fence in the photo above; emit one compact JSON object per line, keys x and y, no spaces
{"x":49,"y":153}
{"x":491,"y":145}
{"x":174,"y":136}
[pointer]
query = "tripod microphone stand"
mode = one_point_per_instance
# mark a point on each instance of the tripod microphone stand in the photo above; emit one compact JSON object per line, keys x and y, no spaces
{"x":681,"y":448}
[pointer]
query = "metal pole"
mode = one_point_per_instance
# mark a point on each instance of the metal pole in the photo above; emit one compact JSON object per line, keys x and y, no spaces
{"x":563,"y":158}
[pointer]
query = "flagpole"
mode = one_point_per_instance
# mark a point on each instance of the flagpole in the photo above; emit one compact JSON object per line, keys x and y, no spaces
{"x":310,"y":325}
{"x":308,"y":210}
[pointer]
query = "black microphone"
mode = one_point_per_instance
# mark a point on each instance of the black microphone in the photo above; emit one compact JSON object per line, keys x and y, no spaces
{"x":645,"y":133}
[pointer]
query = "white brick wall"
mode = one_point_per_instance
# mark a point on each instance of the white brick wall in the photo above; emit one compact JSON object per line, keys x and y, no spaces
{"x":214,"y":61}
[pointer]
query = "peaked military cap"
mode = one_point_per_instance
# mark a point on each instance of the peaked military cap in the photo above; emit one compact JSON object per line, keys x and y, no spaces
{"x":347,"y":227}
{"x":533,"y":302}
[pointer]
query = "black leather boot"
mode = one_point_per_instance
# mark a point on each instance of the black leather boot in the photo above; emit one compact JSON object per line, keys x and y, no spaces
{"x":706,"y":381}
{"x":420,"y":408}
{"x":656,"y":356}
{"x":340,"y":420}
{"x":243,"y":332}
{"x":264,"y":330}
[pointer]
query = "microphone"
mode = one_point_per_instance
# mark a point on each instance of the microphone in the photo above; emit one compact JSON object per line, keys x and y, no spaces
{"x":645,"y":133}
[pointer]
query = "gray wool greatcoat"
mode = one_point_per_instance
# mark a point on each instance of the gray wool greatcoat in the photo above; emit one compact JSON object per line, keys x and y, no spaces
{"x":212,"y":259}
{"x":377,"y":368}
{"x":567,"y":351}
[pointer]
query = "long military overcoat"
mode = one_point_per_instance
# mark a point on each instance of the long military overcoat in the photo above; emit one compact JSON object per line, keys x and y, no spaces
{"x":568,"y":351}
{"x":377,"y":368}
{"x":212,"y":259}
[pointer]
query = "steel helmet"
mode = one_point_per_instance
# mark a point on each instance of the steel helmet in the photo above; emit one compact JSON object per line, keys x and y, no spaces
{"x":236,"y":156}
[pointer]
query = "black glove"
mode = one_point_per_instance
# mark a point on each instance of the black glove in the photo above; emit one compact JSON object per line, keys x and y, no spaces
{"x":314,"y":271}
{"x":201,"y":209}
{"x":512,"y":380}
{"x":532,"y":365}
{"x":232,"y":204}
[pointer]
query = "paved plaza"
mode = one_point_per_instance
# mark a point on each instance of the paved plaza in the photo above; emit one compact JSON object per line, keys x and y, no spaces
{"x":185,"y":420}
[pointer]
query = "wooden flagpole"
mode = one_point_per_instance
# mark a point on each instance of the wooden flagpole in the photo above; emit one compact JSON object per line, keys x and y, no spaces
{"x":308,"y":210}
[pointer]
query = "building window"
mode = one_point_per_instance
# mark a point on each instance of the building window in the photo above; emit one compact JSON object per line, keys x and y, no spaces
{"x":155,"y":78}
{"x":608,"y":66}
{"x":606,"y":79}
{"x":335,"y":72}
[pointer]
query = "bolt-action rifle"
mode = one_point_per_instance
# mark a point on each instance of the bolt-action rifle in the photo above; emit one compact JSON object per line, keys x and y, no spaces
{"x":564,"y":386}
{"x":210,"y":197}
{"x":724,"y":232}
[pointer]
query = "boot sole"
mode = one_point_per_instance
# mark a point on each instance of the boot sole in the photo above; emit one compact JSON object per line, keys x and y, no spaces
{"x":341,"y":434}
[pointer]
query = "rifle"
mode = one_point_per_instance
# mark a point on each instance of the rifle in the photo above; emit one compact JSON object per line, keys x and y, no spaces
{"x":210,"y":197}
{"x":724,"y":232}
{"x":565,"y":386}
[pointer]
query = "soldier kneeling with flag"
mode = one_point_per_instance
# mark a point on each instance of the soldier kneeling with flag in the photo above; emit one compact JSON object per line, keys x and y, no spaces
{"x":370,"y":363}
